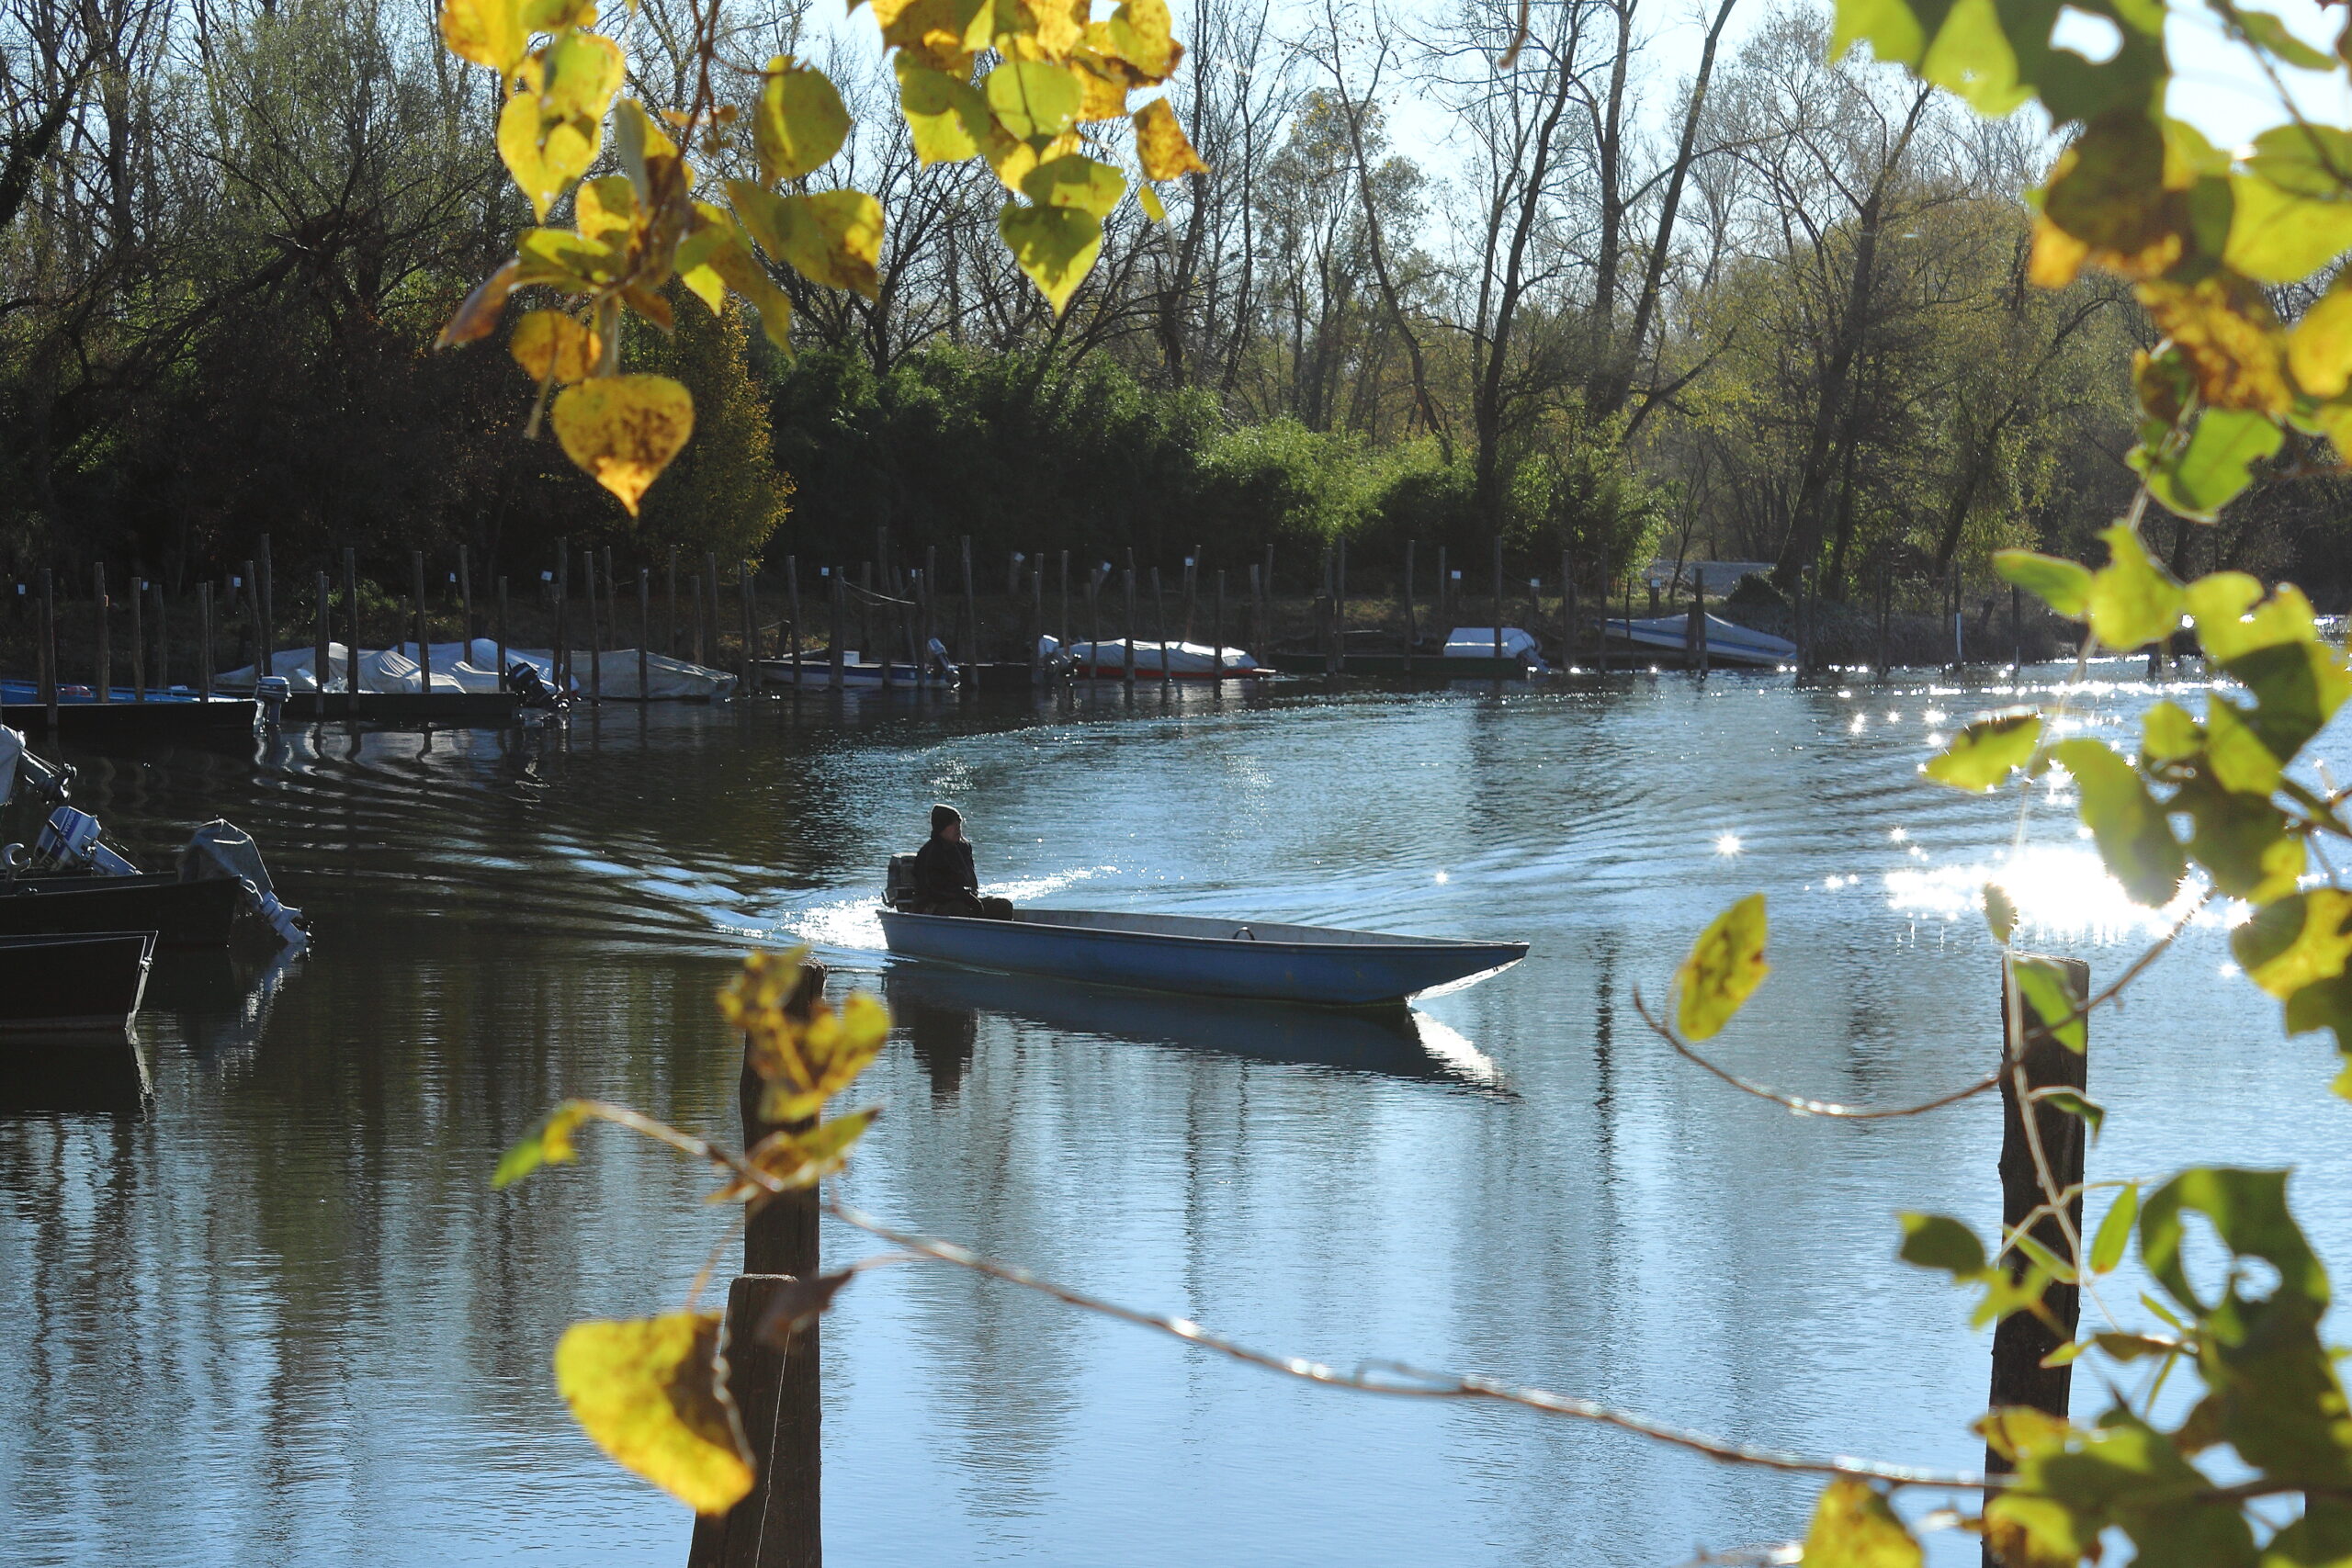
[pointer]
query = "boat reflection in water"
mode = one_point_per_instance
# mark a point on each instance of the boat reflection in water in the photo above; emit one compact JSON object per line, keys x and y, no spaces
{"x":219,"y":998}
{"x":938,"y":1008}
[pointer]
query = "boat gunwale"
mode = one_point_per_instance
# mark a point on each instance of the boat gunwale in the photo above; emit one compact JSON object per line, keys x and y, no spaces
{"x":1390,"y":940}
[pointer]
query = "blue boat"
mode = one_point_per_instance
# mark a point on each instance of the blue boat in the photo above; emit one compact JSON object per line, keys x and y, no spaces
{"x":1201,"y":956}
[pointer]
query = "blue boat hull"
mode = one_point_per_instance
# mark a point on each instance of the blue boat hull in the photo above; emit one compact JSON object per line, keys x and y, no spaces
{"x":1199,"y":957}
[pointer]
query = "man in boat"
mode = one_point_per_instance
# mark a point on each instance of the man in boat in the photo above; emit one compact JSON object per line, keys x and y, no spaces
{"x":946,"y":883}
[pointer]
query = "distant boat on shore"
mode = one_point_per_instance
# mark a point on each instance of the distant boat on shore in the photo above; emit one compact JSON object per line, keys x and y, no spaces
{"x":1727,"y":643}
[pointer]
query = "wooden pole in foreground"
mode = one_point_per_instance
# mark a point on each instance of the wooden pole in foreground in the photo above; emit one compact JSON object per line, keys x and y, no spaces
{"x":2023,"y":1340}
{"x":774,"y":1387}
{"x":106,"y":636}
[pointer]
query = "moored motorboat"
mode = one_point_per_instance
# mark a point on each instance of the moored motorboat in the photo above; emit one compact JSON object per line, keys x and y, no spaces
{"x":181,"y":914}
{"x":66,"y":987}
{"x":1727,"y":643}
{"x":1200,"y":956}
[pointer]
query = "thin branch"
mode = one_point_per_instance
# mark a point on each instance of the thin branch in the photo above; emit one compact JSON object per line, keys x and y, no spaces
{"x":1402,"y":1380}
{"x":1801,"y":1106}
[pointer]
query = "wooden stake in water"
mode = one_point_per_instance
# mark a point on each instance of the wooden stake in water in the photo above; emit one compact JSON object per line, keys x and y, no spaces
{"x":105,"y":638}
{"x":644,"y":633}
{"x":1567,"y":613}
{"x":1257,"y":608}
{"x":971,"y":608}
{"x":1159,"y":626}
{"x":262,"y":665}
{"x":49,"y":646}
{"x":1412,"y":620}
{"x":203,"y":640}
{"x":466,"y":605}
{"x":2023,"y":1342}
{"x":137,"y":641}
{"x":423,"y":648}
{"x":1128,"y":577}
{"x":671,"y":649}
{"x":1037,"y":620}
{"x":322,"y":659}
{"x":162,"y":640}
{"x":1217,"y":663}
{"x":351,"y":616}
{"x":503,"y":683}
{"x":1065,"y":636}
{"x":596,"y":626}
{"x":1499,"y":596}
{"x":560,"y":655}
{"x":747,"y":590}
{"x":841,"y":624}
{"x":1339,"y":611}
{"x":792,"y":613}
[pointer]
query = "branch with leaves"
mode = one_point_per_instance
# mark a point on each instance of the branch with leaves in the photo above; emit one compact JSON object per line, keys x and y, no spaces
{"x":1037,"y":89}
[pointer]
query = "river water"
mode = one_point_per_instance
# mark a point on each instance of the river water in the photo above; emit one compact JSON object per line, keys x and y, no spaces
{"x":281,"y":1318}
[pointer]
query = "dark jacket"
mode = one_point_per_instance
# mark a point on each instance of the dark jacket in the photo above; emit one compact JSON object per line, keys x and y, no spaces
{"x":943,"y":872}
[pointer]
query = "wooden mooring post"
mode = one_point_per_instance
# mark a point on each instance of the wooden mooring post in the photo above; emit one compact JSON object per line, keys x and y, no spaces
{"x":138,"y":640}
{"x":351,"y":620}
{"x":791,"y":613}
{"x":1412,"y":627}
{"x":596,"y":626}
{"x":1128,"y":582}
{"x":2022,"y":1341}
{"x":503,"y":680}
{"x":644,"y":632}
{"x":106,"y":636}
{"x":49,"y":645}
{"x":776,"y":1388}
{"x":203,"y":645}
{"x":841,"y":624}
{"x":423,"y":648}
{"x":1499,"y":596}
{"x":321,"y":660}
{"x":260,"y":625}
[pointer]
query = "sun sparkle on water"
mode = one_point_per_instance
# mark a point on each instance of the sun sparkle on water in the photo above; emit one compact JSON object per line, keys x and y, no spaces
{"x":1727,"y":844}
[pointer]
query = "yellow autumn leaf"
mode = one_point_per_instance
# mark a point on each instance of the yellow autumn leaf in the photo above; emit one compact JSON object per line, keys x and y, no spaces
{"x":1726,"y":965}
{"x":545,"y":157}
{"x":622,"y":430}
{"x":742,"y":272}
{"x":1148,"y":199}
{"x":1033,"y":98}
{"x":1104,"y":82}
{"x":605,"y":207}
{"x":583,"y":71}
{"x":1139,"y":34}
{"x":549,"y":342}
{"x":1161,"y":145}
{"x":832,"y":237}
{"x":1853,"y":1528}
{"x":947,"y":116}
{"x":1013,"y":159}
{"x":1075,"y":180}
{"x":1055,"y":245}
{"x":646,"y":1390}
{"x":945,"y":34}
{"x":488,"y":32}
{"x":800,"y":121}
{"x":2319,"y":350}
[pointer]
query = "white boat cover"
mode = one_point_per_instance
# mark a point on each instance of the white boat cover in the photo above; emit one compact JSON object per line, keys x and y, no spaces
{"x":473,"y":667}
{"x":1723,"y":639}
{"x":1478,"y":642}
{"x":1183,"y":657}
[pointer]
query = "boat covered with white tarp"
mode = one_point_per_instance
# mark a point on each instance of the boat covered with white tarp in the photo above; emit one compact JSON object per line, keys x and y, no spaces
{"x":1727,"y":643}
{"x":1186,"y":660}
{"x":473,"y":667}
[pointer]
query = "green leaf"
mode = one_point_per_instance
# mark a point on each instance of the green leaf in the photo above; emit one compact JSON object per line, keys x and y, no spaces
{"x":2233,"y":619}
{"x":949,"y":119}
{"x":2000,"y":913}
{"x":2168,"y":734}
{"x":1939,"y":1241}
{"x":2271,"y":33}
{"x":2236,"y":756}
{"x":1033,"y":98}
{"x":549,"y":1144}
{"x":734,"y":261}
{"x":2063,"y":585}
{"x":1987,"y":750}
{"x":2325,"y":1004}
{"x":2042,"y":1258}
{"x":1075,"y":180}
{"x":2208,"y":474}
{"x":2241,"y":840}
{"x":1726,"y":965}
{"x":799,"y":122}
{"x":647,"y":1391}
{"x":2321,"y":1538}
{"x":1972,"y":56}
{"x":1148,"y":199}
{"x":2280,"y":236}
{"x":1854,"y":1527}
{"x":584,"y":71}
{"x":2074,"y":1104}
{"x":544,"y":155}
{"x":2115,"y":1231}
{"x":1056,"y":246}
{"x":2297,"y":689}
{"x":2248,"y":1209}
{"x":2129,"y":829}
{"x":2319,"y":349}
{"x":2052,"y":1003}
{"x":2132,"y":600}
{"x":2296,"y":941}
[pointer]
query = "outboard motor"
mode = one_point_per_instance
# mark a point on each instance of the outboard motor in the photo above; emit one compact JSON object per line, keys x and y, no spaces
{"x":941,"y":662}
{"x":219,"y":850}
{"x":70,"y":841}
{"x":524,"y":679}
{"x":270,"y":692}
{"x":50,"y":781}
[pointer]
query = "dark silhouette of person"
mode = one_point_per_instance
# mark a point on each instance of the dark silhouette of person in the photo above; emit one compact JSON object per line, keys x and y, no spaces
{"x":946,"y":883}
